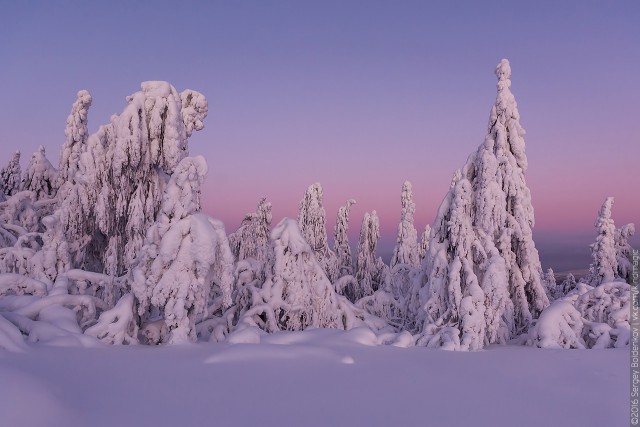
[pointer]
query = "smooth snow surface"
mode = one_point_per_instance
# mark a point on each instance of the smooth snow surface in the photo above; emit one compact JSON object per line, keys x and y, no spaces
{"x":314,"y":378}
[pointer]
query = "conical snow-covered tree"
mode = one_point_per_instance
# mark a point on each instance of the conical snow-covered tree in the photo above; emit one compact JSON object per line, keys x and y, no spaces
{"x":624,"y":252}
{"x":604,"y":266}
{"x":341,"y":240}
{"x":40,"y":176}
{"x":76,"y":133}
{"x":370,"y":270}
{"x":406,"y":249}
{"x":251,"y":240}
{"x":482,"y":236}
{"x":550,"y":282}
{"x":10,"y":176}
{"x":423,"y":247}
{"x":312,"y":223}
{"x":185,"y":258}
{"x":297,"y":294}
{"x":129,"y":161}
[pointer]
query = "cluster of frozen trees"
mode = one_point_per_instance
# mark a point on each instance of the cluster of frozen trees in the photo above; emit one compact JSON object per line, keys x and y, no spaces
{"x":112,"y":246}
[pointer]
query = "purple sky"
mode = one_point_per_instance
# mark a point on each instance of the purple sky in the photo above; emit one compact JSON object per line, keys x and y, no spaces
{"x":358,"y":96}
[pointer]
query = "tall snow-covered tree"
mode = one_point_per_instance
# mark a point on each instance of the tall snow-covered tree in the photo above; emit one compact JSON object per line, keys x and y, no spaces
{"x":76,"y":133}
{"x":604,"y":265}
{"x":312,"y":223}
{"x":10,"y":176}
{"x":482,"y":249}
{"x":251,"y":240}
{"x":406,"y":249}
{"x":129,"y":162}
{"x":370,"y":270}
{"x":341,"y":240}
{"x":41,"y":177}
{"x":185,"y":258}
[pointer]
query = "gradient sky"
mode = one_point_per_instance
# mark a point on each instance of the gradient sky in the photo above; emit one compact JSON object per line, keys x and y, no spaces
{"x":356,"y":95}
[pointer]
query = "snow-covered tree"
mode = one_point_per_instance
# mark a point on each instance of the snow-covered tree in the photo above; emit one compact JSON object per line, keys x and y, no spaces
{"x":40,"y":176}
{"x":567,"y":285}
{"x":10,"y":176}
{"x":624,"y":251}
{"x":251,"y":240}
{"x":341,"y":241}
{"x":604,"y":265}
{"x":297,"y":294}
{"x":482,"y":252}
{"x":128,"y":164}
{"x":406,"y":249}
{"x":185,"y":258}
{"x":76,"y":133}
{"x":423,"y":247}
{"x":312,"y":223}
{"x":371,"y":272}
{"x":550,"y":283}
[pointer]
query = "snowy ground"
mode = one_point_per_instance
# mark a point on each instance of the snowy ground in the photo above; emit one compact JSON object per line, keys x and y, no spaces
{"x":313,"y":378}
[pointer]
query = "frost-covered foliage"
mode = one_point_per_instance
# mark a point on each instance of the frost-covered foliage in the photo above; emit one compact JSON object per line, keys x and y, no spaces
{"x":341,"y":241}
{"x":312,"y":223}
{"x":371,"y":273}
{"x":624,"y":252}
{"x":41,"y":177}
{"x":186,"y":261}
{"x":117,"y":325}
{"x":11,"y":176}
{"x":124,"y":172}
{"x":76,"y":133}
{"x":423,"y":247}
{"x":297,"y":293}
{"x":589,"y":317}
{"x":406,"y":249}
{"x":604,"y":265}
{"x":251,"y":240}
{"x":483,"y":270}
{"x":550,"y":283}
{"x":567,"y":285}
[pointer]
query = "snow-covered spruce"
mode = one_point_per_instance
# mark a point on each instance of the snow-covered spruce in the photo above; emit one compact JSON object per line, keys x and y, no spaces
{"x":588,"y":317}
{"x":297,"y":293}
{"x":406,"y":249}
{"x":624,"y":252}
{"x":11,"y":176}
{"x":341,"y":241}
{"x":550,"y":283}
{"x":124,"y":170}
{"x":41,"y":177}
{"x":251,"y":240}
{"x":312,"y":223}
{"x":76,"y":133}
{"x":567,"y":285}
{"x":186,"y":264}
{"x":604,"y":265}
{"x":483,"y":270}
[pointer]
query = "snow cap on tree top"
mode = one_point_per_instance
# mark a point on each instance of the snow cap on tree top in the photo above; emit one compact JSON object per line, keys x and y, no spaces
{"x":503,"y":70}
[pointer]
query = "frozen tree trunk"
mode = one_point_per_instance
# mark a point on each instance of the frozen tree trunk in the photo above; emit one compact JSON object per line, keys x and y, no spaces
{"x":10,"y":176}
{"x":406,"y":249}
{"x":341,"y":240}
